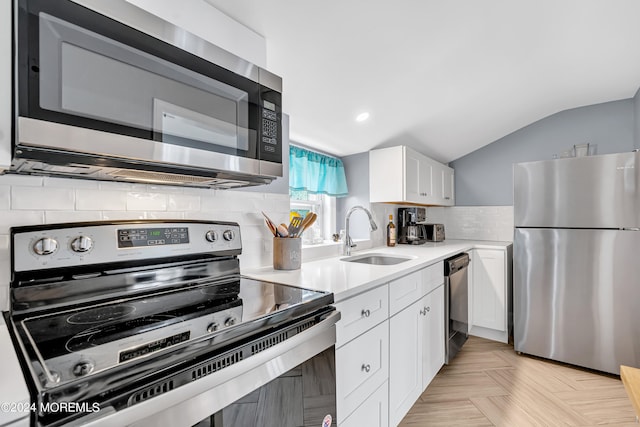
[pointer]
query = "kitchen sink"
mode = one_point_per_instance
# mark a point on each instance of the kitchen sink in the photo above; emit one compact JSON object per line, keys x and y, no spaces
{"x":377,"y":259}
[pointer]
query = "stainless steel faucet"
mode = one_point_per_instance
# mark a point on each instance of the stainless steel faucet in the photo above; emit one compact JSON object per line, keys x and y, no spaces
{"x":348,"y":243}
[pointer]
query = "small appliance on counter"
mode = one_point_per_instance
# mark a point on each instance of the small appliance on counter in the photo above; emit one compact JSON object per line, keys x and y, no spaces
{"x":435,"y":232}
{"x":411,"y":226}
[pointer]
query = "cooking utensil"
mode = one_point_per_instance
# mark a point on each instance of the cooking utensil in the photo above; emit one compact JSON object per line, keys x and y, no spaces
{"x":272,"y":225}
{"x":273,"y":230}
{"x":307,"y":222}
{"x":294,"y":226}
{"x":282,"y":229}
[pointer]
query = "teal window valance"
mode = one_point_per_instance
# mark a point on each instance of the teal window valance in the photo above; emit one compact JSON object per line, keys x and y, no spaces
{"x":316,"y":173}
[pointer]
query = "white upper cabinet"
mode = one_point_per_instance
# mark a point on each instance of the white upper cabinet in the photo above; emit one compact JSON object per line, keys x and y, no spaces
{"x":400,"y":174}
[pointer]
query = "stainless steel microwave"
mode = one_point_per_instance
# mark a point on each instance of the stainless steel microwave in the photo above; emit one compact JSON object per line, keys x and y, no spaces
{"x":119,"y":94}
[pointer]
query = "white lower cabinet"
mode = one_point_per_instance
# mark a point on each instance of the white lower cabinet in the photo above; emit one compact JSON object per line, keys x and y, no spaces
{"x":490,"y":293}
{"x":433,"y":341}
{"x":362,"y":366}
{"x":384,"y":363}
{"x":374,"y":412}
{"x":416,"y":351}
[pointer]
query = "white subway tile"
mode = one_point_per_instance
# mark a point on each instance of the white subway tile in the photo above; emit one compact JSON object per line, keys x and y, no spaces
{"x":101,"y":200}
{"x":50,"y":181}
{"x":140,"y":201}
{"x":55,"y":217}
{"x":183,"y":202}
{"x":31,"y":198}
{"x":122,"y":186}
{"x":168,"y":189}
{"x":22,"y":180}
{"x":118,"y":215}
{"x":15,"y":218}
{"x":5,"y":197}
{"x":164,"y":215}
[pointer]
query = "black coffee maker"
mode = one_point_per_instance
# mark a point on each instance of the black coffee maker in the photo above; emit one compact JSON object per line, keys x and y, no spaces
{"x":411,"y":226}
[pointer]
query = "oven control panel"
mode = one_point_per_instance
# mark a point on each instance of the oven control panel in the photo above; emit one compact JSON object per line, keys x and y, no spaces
{"x":68,"y":245}
{"x":131,"y":237}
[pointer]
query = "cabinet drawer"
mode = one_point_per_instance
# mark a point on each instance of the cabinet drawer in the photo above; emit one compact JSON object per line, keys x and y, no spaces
{"x":362,"y":366}
{"x":410,"y":288}
{"x":361,"y":313}
{"x":374,"y":412}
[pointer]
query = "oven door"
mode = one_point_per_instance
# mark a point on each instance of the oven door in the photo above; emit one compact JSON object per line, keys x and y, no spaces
{"x":90,"y":84}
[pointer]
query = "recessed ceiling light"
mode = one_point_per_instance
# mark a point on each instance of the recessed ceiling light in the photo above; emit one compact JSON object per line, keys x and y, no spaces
{"x":362,"y":117}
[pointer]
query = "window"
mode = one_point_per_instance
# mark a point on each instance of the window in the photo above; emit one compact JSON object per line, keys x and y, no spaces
{"x":315,"y":180}
{"x":303,"y":202}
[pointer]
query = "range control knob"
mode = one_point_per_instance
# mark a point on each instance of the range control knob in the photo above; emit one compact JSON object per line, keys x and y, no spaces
{"x":230,"y":321}
{"x":228,"y":235}
{"x":83,"y":368}
{"x":45,"y":246}
{"x":213,"y":327}
{"x":211,"y":236}
{"x":81,"y":244}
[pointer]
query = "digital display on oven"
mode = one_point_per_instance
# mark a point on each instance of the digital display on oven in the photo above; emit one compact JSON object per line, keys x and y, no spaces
{"x":137,"y":237}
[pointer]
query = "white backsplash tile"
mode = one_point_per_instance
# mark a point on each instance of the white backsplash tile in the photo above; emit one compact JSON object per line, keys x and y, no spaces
{"x":478,"y":222}
{"x":120,"y":215}
{"x":32,"y":198}
{"x":164,"y":215}
{"x":55,"y":217}
{"x":21,"y":180}
{"x":183,"y":202}
{"x":5,"y":197}
{"x":10,"y":219}
{"x":142,"y":201}
{"x":101,"y":200}
{"x":49,"y":181}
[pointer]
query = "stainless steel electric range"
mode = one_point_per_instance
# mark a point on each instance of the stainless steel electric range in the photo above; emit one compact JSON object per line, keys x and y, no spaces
{"x":111,"y":316}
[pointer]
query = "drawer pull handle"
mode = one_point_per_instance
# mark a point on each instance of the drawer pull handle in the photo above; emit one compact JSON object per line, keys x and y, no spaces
{"x":425,"y":311}
{"x":366,"y":313}
{"x":366,"y":367}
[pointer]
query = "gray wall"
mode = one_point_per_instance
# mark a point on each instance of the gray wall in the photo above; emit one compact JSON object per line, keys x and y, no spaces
{"x":484,"y":177}
{"x":356,"y":169}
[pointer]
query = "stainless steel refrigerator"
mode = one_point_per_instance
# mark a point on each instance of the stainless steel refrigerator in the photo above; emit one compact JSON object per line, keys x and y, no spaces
{"x":577,"y":260}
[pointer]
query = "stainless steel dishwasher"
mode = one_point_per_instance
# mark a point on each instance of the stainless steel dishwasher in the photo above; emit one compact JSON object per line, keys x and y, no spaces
{"x":456,"y":304}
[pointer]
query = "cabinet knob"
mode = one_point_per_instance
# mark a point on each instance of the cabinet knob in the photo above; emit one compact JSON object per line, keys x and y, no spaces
{"x":366,"y":313}
{"x":447,"y":198}
{"x":425,"y":310}
{"x":366,"y":367}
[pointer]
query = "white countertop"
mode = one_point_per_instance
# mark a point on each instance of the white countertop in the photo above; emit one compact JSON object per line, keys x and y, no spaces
{"x":346,"y":279}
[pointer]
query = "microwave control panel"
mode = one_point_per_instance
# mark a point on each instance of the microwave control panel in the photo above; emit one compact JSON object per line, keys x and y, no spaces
{"x":270,"y":132}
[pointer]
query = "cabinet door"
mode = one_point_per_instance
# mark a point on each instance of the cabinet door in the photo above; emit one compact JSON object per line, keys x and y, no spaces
{"x":448,"y":185}
{"x":405,"y":361}
{"x":433,"y":335}
{"x":489,"y":289}
{"x":362,"y":365}
{"x":413,"y":170}
{"x":361,"y":313}
{"x":374,"y":412}
{"x":418,"y":177}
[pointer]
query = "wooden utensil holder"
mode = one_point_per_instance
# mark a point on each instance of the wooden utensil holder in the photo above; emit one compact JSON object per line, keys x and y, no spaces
{"x":287,"y":253}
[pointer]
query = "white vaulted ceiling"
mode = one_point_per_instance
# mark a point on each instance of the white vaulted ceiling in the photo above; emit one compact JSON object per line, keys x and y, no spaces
{"x":444,"y":76}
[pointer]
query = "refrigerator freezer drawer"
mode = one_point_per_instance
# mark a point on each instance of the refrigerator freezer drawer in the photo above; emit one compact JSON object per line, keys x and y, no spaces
{"x":585,"y":192}
{"x":577,"y":296}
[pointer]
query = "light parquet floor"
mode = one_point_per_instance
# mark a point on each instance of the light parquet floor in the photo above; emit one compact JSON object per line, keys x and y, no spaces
{"x":488,"y":384}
